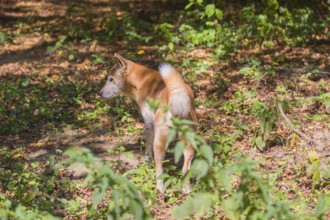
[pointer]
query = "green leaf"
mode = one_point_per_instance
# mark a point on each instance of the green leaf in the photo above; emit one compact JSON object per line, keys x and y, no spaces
{"x":2,"y":196}
{"x":71,"y":57}
{"x":187,"y":122}
{"x":63,"y":201}
{"x":318,"y":117}
{"x":72,"y":205}
{"x":7,"y":203}
{"x":262,"y":19}
{"x":97,"y":197}
{"x":321,"y":207}
{"x":190,"y":136}
{"x":98,"y":59}
{"x":316,"y":176}
{"x":170,"y":46}
{"x":183,"y":211}
{"x":260,"y":143}
{"x":230,"y":206}
{"x":29,"y":197}
{"x":121,"y":149}
{"x":162,"y":176}
{"x":326,"y":173}
{"x":167,"y":183}
{"x":136,"y":209}
{"x":202,"y":202}
{"x":218,"y":13}
{"x":77,"y":100}
{"x":314,"y":166}
{"x":129,"y":155}
{"x":187,"y":6}
{"x":3,"y":38}
{"x":25,"y":82}
{"x":153,"y":103}
{"x":170,"y":137}
{"x":207,"y":153}
{"x":210,"y":10}
{"x":247,"y":71}
{"x":178,"y":151}
{"x":200,"y":168}
{"x":11,"y":185}
{"x":196,"y":205}
{"x":227,"y":148}
{"x":172,"y":200}
{"x":225,"y":180}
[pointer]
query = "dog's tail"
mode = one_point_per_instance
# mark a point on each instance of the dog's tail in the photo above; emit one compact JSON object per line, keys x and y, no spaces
{"x":179,"y":99}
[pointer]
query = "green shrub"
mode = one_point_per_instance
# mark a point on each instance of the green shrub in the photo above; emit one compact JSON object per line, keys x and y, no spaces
{"x":267,"y":24}
{"x":114,"y":196}
{"x":236,"y":188}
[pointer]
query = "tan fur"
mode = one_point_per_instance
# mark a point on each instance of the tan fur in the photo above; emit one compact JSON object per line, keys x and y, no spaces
{"x":141,"y":84}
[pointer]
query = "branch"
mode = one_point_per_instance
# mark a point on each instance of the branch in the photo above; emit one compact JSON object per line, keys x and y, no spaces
{"x":295,"y":130}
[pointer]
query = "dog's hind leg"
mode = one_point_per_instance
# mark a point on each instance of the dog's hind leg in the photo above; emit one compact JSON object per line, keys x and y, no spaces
{"x":148,"y":117}
{"x":149,"y":133}
{"x":162,"y":128}
{"x":188,"y":157}
{"x":159,"y":153}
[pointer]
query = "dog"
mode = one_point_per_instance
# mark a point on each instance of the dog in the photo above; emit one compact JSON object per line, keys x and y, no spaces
{"x":175,"y":98}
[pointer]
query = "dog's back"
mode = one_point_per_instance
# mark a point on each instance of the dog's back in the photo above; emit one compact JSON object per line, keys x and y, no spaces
{"x":167,"y":86}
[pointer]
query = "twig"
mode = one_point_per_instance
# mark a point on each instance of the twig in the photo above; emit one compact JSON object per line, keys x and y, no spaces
{"x":291,"y":126}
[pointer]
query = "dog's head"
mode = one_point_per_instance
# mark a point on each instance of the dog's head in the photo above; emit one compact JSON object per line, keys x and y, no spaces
{"x":116,"y":79}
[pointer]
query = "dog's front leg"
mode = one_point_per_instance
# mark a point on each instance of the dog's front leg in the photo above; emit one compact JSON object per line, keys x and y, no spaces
{"x":148,"y":117}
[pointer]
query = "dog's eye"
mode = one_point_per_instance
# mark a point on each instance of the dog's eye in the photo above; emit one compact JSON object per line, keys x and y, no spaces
{"x":110,"y":79}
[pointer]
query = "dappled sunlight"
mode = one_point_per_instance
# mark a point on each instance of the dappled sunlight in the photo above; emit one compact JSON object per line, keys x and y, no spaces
{"x":260,"y":76}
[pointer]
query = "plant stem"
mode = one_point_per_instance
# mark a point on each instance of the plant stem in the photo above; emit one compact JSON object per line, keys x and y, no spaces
{"x":300,"y":133}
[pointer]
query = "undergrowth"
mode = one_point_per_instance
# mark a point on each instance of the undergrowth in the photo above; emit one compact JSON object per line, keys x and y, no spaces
{"x":229,"y":180}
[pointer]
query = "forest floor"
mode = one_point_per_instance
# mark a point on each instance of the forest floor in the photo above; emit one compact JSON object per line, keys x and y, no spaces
{"x":61,"y":79}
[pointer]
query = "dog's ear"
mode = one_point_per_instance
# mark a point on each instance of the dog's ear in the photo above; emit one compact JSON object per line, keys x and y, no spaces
{"x":121,"y":61}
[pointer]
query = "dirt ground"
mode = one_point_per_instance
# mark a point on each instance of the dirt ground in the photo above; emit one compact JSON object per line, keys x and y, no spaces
{"x":37,"y":25}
